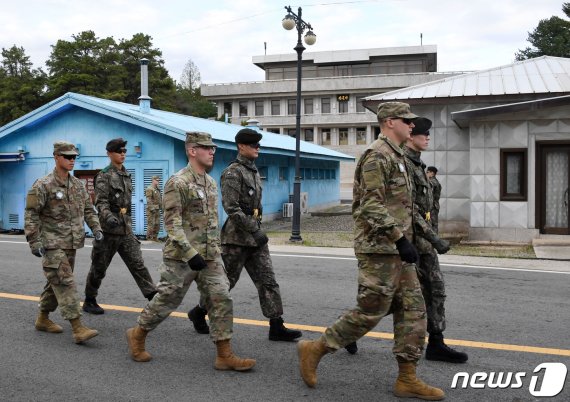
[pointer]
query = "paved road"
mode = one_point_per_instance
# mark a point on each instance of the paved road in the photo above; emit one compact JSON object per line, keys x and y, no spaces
{"x":491,"y":307}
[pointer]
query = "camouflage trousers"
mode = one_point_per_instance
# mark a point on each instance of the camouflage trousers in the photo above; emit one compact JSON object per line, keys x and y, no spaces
{"x":60,"y":289}
{"x":434,"y":220}
{"x":257,"y":263}
{"x":385,"y":284}
{"x":433,"y":289}
{"x":129,"y":248}
{"x":175,"y":280}
{"x":152,"y":223}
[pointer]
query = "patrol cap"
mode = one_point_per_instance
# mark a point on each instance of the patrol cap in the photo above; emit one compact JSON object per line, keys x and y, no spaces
{"x":64,"y":148}
{"x":432,"y":169}
{"x":155,"y":177}
{"x":395,"y":109}
{"x":199,"y":138}
{"x":421,"y":126}
{"x":115,"y":144}
{"x":248,"y":136}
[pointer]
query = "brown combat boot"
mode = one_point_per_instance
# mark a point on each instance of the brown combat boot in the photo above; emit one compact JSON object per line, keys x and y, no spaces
{"x":43,"y":323}
{"x":226,"y":360}
{"x":409,"y":386}
{"x":80,"y":332}
{"x":310,"y":354}
{"x":135,"y":338}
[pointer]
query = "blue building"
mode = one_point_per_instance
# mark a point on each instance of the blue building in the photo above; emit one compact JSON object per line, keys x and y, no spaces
{"x":155,"y":147}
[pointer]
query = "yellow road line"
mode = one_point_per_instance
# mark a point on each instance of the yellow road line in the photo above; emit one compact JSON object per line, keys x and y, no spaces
{"x":312,"y":328}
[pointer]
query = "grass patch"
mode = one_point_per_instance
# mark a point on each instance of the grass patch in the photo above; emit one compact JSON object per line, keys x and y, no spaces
{"x":493,"y":251}
{"x":315,"y":239}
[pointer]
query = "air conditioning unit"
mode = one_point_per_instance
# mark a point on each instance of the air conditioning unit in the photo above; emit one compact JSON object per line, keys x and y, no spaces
{"x":304,"y":203}
{"x":288,"y":210}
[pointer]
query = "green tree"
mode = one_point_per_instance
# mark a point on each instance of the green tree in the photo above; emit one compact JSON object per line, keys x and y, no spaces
{"x":189,"y":99}
{"x":550,"y":38}
{"x":21,"y":86}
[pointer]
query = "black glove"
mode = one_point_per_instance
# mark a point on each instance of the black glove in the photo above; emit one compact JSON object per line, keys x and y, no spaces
{"x":260,"y":238}
{"x":112,"y":221}
{"x":98,"y":235}
{"x":38,"y":249}
{"x":197,"y":263}
{"x":407,"y":251}
{"x":442,"y":246}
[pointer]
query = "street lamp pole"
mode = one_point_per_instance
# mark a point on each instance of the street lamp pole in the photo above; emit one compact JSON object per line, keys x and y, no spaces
{"x":291,"y":21}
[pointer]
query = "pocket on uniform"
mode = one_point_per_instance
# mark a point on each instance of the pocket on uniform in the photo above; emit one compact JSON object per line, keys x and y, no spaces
{"x":53,"y":258}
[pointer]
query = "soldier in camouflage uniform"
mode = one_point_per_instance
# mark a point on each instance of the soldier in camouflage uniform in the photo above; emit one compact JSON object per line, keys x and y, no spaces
{"x":427,"y":242}
{"x":192,"y":253}
{"x":153,"y":206}
{"x":57,"y":206}
{"x":113,"y":191}
{"x":436,"y":189}
{"x":387,"y":281}
{"x":244,"y":244}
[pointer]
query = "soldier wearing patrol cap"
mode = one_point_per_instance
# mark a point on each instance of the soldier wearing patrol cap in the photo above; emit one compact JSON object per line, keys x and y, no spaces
{"x":113,"y":192}
{"x":387,"y":281}
{"x":244,"y":244}
{"x":431,"y":172}
{"x":57,"y":206}
{"x":192,"y":253}
{"x":153,"y":207}
{"x":427,"y":242}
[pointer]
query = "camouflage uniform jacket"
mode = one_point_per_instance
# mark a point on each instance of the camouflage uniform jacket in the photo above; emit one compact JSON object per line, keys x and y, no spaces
{"x":191,"y":216}
{"x":56,"y":210}
{"x":423,"y":202}
{"x":382,"y":201}
{"x":241,"y":196}
{"x":436,"y":189}
{"x":153,"y":198}
{"x":113,"y":190}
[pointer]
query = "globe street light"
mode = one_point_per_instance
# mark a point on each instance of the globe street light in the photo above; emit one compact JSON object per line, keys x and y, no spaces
{"x":291,"y":21}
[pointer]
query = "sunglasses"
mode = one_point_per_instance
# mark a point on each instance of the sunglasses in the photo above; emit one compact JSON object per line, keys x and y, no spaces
{"x":70,"y":157}
{"x":404,"y":120}
{"x":256,"y":145}
{"x":206,"y":148}
{"x":121,"y":151}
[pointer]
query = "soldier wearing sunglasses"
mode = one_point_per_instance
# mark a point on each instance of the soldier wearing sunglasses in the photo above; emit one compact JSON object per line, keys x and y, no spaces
{"x":113,"y":191}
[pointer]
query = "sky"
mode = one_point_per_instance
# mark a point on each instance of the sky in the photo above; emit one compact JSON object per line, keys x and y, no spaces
{"x":221,"y":36}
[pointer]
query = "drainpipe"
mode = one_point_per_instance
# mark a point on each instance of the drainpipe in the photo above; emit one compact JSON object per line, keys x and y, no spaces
{"x":144,"y":99}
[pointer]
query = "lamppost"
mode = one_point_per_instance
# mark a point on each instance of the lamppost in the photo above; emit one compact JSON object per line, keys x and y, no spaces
{"x":291,"y":21}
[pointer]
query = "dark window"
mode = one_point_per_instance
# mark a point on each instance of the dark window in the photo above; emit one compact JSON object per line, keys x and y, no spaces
{"x":325,"y":105}
{"x":326,"y":136}
{"x":292,"y":132}
{"x":259,"y":108}
{"x":283,"y":173}
{"x":308,"y":105}
{"x":361,"y":135}
{"x":262,"y":170}
{"x":275,"y":107}
{"x":273,"y":130}
{"x":359,"y":106}
{"x":309,"y":135}
{"x":513,"y":175}
{"x":343,"y":136}
{"x":343,"y":107}
{"x":228,"y":108}
{"x":243,"y":108}
{"x":291,"y":107}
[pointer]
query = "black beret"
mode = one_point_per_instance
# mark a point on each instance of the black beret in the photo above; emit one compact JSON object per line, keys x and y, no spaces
{"x":421,"y":126}
{"x":248,"y":136}
{"x":115,"y":144}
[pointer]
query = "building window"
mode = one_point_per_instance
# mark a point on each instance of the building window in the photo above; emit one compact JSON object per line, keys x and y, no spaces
{"x":291,"y":107}
{"x":283,"y":173}
{"x":259,"y":108}
{"x":273,"y":130}
{"x":343,"y":136}
{"x":343,"y":107}
{"x":308,"y":105}
{"x":228,"y":108}
{"x":275,"y":107}
{"x":243,"y":108}
{"x":292,"y":132}
{"x":326,"y":136}
{"x":262,"y":170}
{"x":359,"y":106}
{"x":513,"y":174}
{"x":309,"y":137}
{"x":325,"y":105}
{"x":361,"y":135}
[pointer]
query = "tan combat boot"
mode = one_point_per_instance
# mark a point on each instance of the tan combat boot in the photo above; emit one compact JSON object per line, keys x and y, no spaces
{"x":409,"y":386}
{"x":135,"y":338}
{"x":43,"y":323}
{"x":226,"y":360}
{"x":80,"y":332}
{"x":310,"y":354}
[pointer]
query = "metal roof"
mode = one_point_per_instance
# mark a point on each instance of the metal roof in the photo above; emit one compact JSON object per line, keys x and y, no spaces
{"x":541,"y":75}
{"x":172,"y":124}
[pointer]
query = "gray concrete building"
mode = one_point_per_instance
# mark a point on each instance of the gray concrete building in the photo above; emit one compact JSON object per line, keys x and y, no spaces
{"x":333,"y":86}
{"x":501,"y":142}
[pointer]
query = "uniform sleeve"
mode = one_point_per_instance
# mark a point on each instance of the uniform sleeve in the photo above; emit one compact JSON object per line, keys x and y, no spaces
{"x":102,"y":189}
{"x":231,"y":187}
{"x":89,"y":213}
{"x":375,"y":175}
{"x":173,"y":202}
{"x":35,"y":201}
{"x":436,"y":194}
{"x":422,"y":228}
